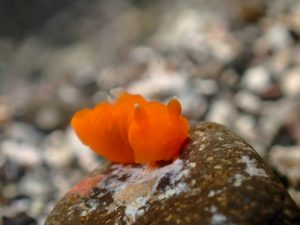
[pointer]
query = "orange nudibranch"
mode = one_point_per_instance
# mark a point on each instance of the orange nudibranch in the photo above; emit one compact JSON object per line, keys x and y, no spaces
{"x":133,"y":130}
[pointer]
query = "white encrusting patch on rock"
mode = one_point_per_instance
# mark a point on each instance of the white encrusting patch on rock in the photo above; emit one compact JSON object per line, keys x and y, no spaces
{"x":136,"y":208}
{"x":169,"y":192}
{"x":238,"y":180}
{"x":133,"y":187}
{"x":251,"y":167}
{"x":90,"y":206}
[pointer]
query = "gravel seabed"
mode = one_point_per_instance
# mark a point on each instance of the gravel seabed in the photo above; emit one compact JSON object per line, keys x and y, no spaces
{"x":232,"y":62}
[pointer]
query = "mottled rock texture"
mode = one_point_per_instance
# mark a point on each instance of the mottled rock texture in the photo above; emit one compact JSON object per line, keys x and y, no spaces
{"x":218,"y":179}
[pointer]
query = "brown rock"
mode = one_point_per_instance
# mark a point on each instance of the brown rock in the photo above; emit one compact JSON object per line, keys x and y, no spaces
{"x":218,"y":179}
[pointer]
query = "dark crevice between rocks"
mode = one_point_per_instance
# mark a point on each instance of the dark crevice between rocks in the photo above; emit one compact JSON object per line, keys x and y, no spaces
{"x":20,"y":219}
{"x":283,"y":138}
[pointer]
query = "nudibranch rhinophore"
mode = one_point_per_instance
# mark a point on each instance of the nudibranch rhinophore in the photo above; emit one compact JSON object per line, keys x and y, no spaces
{"x":132,"y":129}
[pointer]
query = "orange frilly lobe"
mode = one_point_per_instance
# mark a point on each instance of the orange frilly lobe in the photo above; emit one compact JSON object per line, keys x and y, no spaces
{"x":133,"y":130}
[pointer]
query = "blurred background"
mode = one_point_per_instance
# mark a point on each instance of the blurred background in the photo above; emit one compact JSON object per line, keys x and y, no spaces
{"x":234,"y":62}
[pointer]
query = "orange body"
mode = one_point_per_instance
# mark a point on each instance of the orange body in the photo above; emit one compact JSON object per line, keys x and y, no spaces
{"x":133,"y":130}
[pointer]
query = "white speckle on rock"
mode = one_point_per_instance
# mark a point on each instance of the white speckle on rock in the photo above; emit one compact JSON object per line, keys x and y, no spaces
{"x":218,"y":219}
{"x":202,"y":147}
{"x":193,"y":182}
{"x":211,"y":193}
{"x":171,"y":191}
{"x":251,"y":167}
{"x":213,"y":209}
{"x":199,"y":133}
{"x":192,"y":164}
{"x":238,"y":179}
{"x":220,"y":138}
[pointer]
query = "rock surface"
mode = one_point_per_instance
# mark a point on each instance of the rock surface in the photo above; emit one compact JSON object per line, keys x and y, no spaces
{"x":218,"y":179}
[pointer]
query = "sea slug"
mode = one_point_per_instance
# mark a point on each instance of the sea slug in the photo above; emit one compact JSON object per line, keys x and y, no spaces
{"x":132,"y":129}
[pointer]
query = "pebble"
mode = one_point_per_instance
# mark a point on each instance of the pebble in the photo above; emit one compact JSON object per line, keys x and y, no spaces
{"x":87,"y":159}
{"x":286,"y":160}
{"x":206,"y":86}
{"x":56,"y":151}
{"x":295,"y":194}
{"x":290,"y":82}
{"x":34,"y":186}
{"x":23,"y":133}
{"x":48,"y":117}
{"x":256,"y":79}
{"x":278,"y":37}
{"x":159,"y":80}
{"x":21,"y":153}
{"x":245,"y":126}
{"x":222,"y":111}
{"x":21,"y":205}
{"x":193,"y":105}
{"x":5,"y":113}
{"x":248,"y":101}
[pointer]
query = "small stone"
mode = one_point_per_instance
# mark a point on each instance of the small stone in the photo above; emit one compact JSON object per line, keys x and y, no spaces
{"x":295,"y":195}
{"x":286,"y":160}
{"x":193,"y":105}
{"x":21,"y":153}
{"x":56,"y":151}
{"x":278,"y":37}
{"x":206,"y":86}
{"x":218,"y":179}
{"x":159,"y":80}
{"x":9,"y":191}
{"x":86,"y":158}
{"x":245,"y":126}
{"x":256,"y":79}
{"x":222,"y":111}
{"x":21,"y":204}
{"x":34,"y":186}
{"x":248,"y":101}
{"x":23,"y":133}
{"x":48,"y":118}
{"x":5,"y":113}
{"x":290,"y":82}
